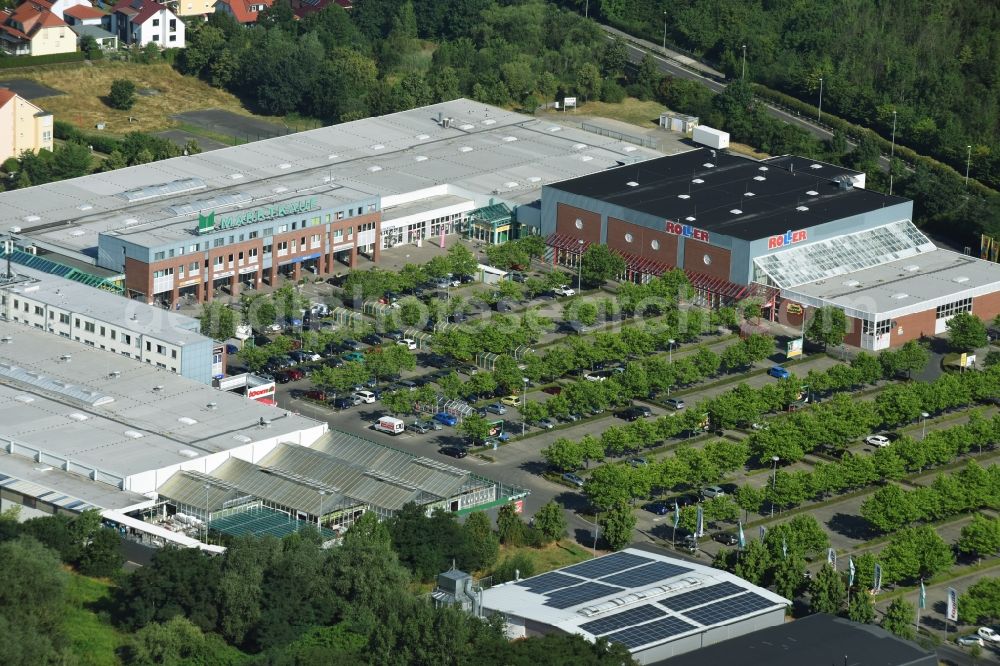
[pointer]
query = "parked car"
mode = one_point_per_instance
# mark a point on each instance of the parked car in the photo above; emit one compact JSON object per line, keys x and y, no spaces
{"x":878,"y":441}
{"x":282,"y":377}
{"x":989,"y":635}
{"x":511,"y":400}
{"x":453,"y":451}
{"x":409,"y":343}
{"x":367,"y":397}
{"x":659,"y":508}
{"x":496,"y":408}
{"x":687,"y":500}
{"x":565,"y":290}
{"x":394,"y":335}
{"x":555,"y":389}
{"x":469,"y":370}
{"x":372,"y":339}
{"x":674,"y":403}
{"x":970,"y":640}
{"x":418,"y":428}
{"x":779,"y":372}
{"x":353,"y":345}
{"x":637,"y":462}
{"x":572,"y":417}
{"x":633,"y":413}
{"x":316,"y":394}
{"x":445,"y":418}
{"x":573,"y":478}
{"x":343,"y":403}
{"x":547,"y":423}
{"x":518,"y":277}
{"x":354,"y":356}
{"x":726,"y":538}
{"x":407,"y":385}
{"x":712,"y":491}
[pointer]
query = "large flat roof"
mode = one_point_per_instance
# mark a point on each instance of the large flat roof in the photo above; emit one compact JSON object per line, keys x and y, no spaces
{"x":115,"y":414}
{"x":485,"y":150}
{"x":634,"y":597}
{"x":100,"y":305}
{"x":905,"y":286}
{"x":731,"y":195}
{"x":815,"y":639}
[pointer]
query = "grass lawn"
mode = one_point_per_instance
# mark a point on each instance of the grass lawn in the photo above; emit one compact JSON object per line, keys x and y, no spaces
{"x":560,"y":554}
{"x":630,"y":110}
{"x":92,"y":640}
{"x":85,"y":88}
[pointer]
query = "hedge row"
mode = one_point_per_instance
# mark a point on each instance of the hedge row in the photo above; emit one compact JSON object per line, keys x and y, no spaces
{"x":102,"y":143}
{"x":11,"y":62}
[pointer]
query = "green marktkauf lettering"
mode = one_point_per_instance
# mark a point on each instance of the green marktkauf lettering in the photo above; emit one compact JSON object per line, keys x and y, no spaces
{"x":209,"y":223}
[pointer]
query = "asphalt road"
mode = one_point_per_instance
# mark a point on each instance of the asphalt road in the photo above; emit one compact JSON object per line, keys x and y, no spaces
{"x":671,"y":66}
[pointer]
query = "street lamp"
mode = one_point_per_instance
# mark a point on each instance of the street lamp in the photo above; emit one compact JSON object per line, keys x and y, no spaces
{"x":892,"y":150}
{"x":524,"y":400}
{"x":744,"y":76}
{"x":774,"y":481}
{"x":968,"y":162}
{"x":670,"y":350}
{"x":819,"y":116}
{"x":579,"y":275}
{"x":664,"y":31}
{"x":923,"y":424}
{"x":597,"y":528}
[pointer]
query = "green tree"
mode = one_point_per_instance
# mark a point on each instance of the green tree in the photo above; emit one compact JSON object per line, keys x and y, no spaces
{"x":862,"y":608}
{"x":101,"y":555}
{"x":827,"y":592}
{"x":618,"y":522}
{"x":483,"y":541}
{"x":828,"y":326}
{"x":600,"y":264}
{"x":550,"y":521}
{"x":787,"y":576}
{"x":899,"y":618}
{"x":178,"y":642}
{"x":754,"y":563}
{"x":32,"y":603}
{"x":564,"y":455}
{"x":218,"y":321}
{"x":475,"y":428}
{"x":916,"y":552}
{"x":389,"y":360}
{"x":461,"y":260}
{"x":890,"y":508}
{"x":451,"y":385}
{"x":510,"y":527}
{"x":122,"y":95}
{"x":981,"y":537}
{"x":981,"y":602}
{"x":966,"y":332}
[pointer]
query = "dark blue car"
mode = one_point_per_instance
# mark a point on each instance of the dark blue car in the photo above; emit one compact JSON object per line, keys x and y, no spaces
{"x":445,"y":418}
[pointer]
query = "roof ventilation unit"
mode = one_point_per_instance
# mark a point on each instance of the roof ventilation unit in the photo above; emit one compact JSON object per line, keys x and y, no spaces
{"x":802,"y":209}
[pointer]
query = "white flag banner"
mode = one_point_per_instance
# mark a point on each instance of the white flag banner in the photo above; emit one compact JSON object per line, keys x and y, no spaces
{"x":952,"y":613}
{"x":831,"y":558}
{"x":700,"y":531}
{"x":877,"y":586}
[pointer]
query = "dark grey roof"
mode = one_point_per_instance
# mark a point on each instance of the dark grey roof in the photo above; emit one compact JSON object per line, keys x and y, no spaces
{"x":818,"y":639}
{"x":665,"y":187}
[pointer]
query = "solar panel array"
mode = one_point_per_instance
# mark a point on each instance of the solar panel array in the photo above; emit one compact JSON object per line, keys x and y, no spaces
{"x":652,"y":632}
{"x":645,"y":575}
{"x":729,"y":609}
{"x":621,"y":620}
{"x":605,"y":566}
{"x":548,"y":582}
{"x":701,"y":596}
{"x":578,"y":594}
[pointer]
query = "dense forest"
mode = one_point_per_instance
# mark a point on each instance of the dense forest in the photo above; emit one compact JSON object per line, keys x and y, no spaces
{"x":936,"y":63}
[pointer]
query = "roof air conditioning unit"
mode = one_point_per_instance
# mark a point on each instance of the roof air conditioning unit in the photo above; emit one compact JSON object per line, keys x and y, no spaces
{"x":211,"y":405}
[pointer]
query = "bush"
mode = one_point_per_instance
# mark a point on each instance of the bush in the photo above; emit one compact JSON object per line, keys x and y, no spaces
{"x":122,"y":95}
{"x":517,"y":565}
{"x":612,"y":92}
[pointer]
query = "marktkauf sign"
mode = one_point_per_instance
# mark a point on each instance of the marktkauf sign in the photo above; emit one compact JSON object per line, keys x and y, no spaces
{"x":786,"y":238}
{"x":687,"y":231}
{"x":209,"y":223}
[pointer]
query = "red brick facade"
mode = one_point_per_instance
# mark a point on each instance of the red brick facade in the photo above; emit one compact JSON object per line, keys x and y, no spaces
{"x":641,"y":244}
{"x":694,"y":259}
{"x":566,"y":217}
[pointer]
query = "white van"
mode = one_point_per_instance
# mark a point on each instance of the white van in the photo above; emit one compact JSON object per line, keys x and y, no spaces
{"x":390,"y":425}
{"x":366,"y":397}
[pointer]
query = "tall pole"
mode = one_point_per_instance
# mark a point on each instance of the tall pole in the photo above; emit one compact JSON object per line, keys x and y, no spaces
{"x":586,"y":11}
{"x":664,"y":31}
{"x":596,"y":529}
{"x":208,"y":513}
{"x":968,"y":163}
{"x":892,"y":150}
{"x":670,"y":350}
{"x":579,"y":275}
{"x":744,"y":75}
{"x":524,"y":399}
{"x":819,"y":116}
{"x":774,"y":482}
{"x":319,"y":518}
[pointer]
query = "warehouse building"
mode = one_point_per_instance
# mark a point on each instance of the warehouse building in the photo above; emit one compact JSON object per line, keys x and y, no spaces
{"x":656,"y":606}
{"x":313,"y":202}
{"x":793,"y":232}
{"x":106,"y":321}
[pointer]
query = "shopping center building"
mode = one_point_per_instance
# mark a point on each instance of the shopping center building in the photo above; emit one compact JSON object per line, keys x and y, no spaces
{"x":793,"y":232}
{"x":315,"y":202}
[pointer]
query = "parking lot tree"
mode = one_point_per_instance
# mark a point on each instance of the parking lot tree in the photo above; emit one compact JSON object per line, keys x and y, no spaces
{"x":534,"y":286}
{"x":898,"y":619}
{"x":550,"y":521}
{"x":591,"y":449}
{"x":749,"y":498}
{"x":398,"y":402}
{"x":735,"y":358}
{"x":981,"y":537}
{"x":340,"y":380}
{"x":912,"y":357}
{"x":827,"y":326}
{"x":564,"y":455}
{"x":507,"y":374}
{"x":534,"y":325}
{"x":787,"y":489}
{"x":412,"y":312}
{"x":600,"y":264}
{"x":389,"y":360}
{"x":754,"y":563}
{"x":451,"y":385}
{"x":707,"y":362}
{"x":618,"y":523}
{"x":507,"y":255}
{"x":586,"y":313}
{"x":780,"y":439}
{"x":862,"y":609}
{"x":481,"y":384}
{"x":701,"y":471}
{"x":610,"y":485}
{"x":888,"y":464}
{"x":475,"y":428}
{"x":438,"y":266}
{"x":558,"y":406}
{"x":788,"y":575}
{"x":254,"y":358}
{"x":533,"y":411}
{"x":980,"y":604}
{"x":827,"y":592}
{"x":615,"y":440}
{"x":455,"y":343}
{"x":461,"y":261}
{"x":727,"y":456}
{"x":966,"y":332}
{"x":484,"y":544}
{"x":802,"y":533}
{"x":510,"y":527}
{"x":897,"y":404}
{"x":916,"y":552}
{"x":868,"y":367}
{"x":218,"y":321}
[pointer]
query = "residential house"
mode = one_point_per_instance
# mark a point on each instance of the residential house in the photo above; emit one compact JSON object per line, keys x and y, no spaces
{"x":193,"y":7}
{"x":32,"y":29}
{"x":59,"y":7}
{"x":244,"y":11}
{"x":142,"y":22}
{"x":23,"y":126}
{"x":87,"y":21}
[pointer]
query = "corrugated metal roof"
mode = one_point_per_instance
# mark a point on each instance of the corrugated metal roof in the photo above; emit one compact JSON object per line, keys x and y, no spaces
{"x":41,"y":492}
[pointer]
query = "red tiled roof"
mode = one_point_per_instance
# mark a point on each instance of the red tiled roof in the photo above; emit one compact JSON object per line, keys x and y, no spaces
{"x":241,"y":9}
{"x":149,"y":9}
{"x":6,"y":94}
{"x":83,"y":12}
{"x":34,"y":14}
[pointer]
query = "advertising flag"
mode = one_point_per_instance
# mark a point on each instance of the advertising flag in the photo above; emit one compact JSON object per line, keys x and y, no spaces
{"x":784,"y":548}
{"x":850,"y":569}
{"x":677,"y":515}
{"x":952,"y":604}
{"x":743,"y":539}
{"x":831,"y":558}
{"x":701,"y":522}
{"x":877,"y":586}
{"x":763,"y":532}
{"x":923,"y":595}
